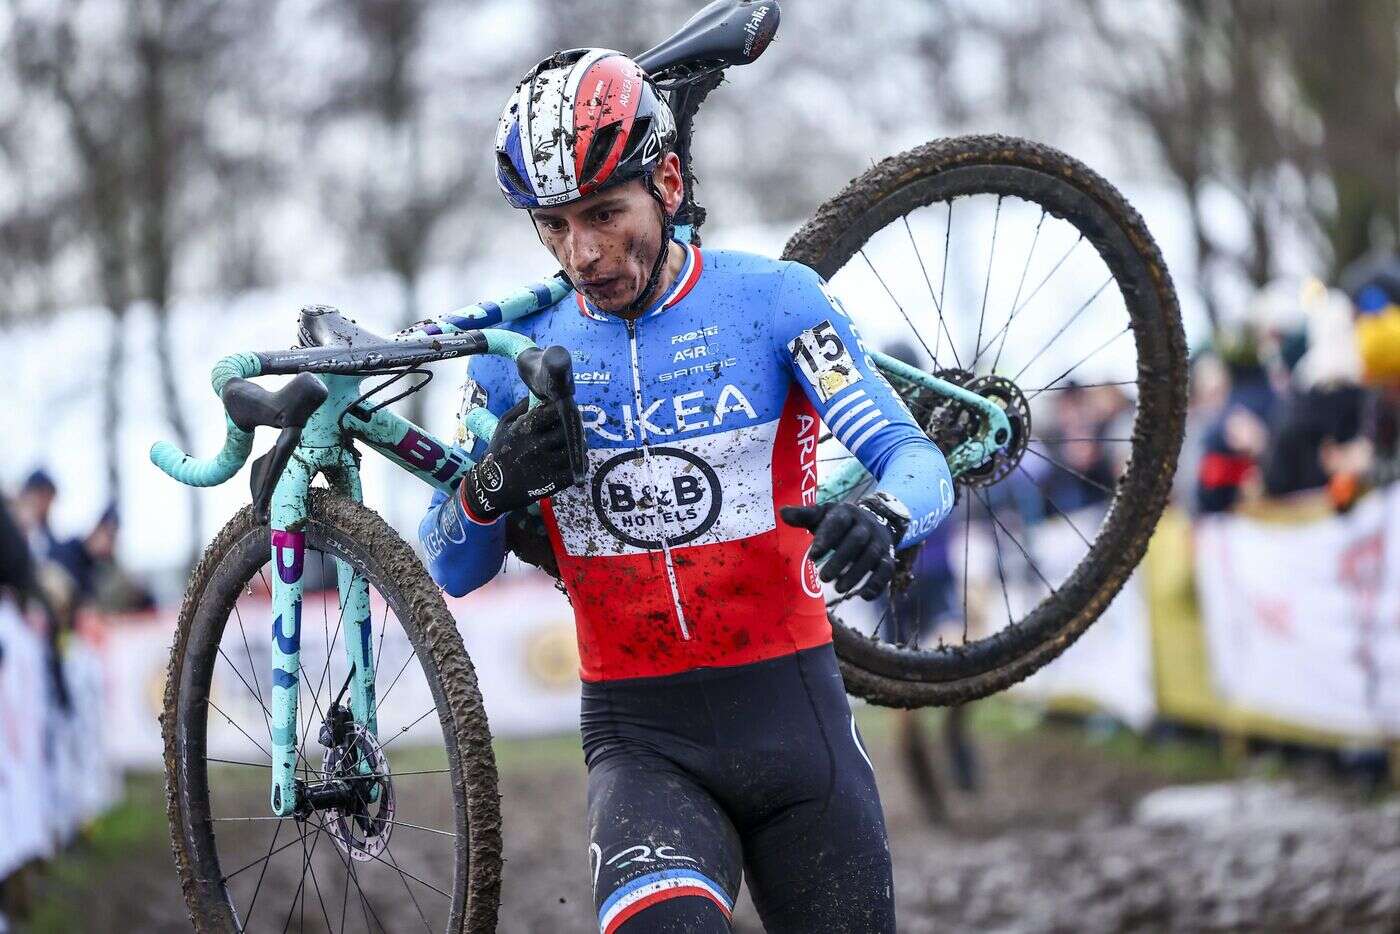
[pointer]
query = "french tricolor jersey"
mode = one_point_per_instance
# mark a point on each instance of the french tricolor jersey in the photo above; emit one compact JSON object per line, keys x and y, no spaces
{"x":702,"y":418}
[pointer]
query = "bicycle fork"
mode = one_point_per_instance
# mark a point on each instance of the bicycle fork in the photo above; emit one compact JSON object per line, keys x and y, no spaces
{"x":288,"y":541}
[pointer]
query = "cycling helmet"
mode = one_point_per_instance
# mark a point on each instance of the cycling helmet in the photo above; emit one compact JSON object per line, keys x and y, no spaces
{"x":580,"y":121}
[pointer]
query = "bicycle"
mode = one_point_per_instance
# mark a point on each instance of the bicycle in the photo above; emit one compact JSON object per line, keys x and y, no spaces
{"x":354,"y":794}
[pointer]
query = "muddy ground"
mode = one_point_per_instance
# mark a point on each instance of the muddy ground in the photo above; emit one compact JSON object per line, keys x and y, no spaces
{"x":1068,"y":833}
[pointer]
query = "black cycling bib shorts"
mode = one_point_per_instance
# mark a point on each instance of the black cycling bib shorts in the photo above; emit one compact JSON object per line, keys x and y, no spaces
{"x":699,"y":779}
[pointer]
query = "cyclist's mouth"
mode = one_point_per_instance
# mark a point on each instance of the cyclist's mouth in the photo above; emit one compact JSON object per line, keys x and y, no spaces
{"x":602,"y":288}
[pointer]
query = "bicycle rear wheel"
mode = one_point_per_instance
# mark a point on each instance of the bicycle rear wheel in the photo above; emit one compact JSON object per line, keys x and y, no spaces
{"x":422,"y":849}
{"x":957,"y":240}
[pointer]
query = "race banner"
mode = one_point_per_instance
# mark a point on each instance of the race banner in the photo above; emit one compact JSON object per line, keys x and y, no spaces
{"x":1303,"y":620}
{"x":518,"y":632}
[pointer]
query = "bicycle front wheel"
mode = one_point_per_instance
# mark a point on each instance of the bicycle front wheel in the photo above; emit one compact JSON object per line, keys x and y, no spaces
{"x":420,"y":847}
{"x":1012,"y":270}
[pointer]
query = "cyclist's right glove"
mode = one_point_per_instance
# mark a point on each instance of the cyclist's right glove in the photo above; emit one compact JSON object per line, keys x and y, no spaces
{"x":527,"y":460}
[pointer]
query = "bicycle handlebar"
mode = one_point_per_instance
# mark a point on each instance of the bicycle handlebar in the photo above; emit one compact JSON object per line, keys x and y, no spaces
{"x":543,"y":373}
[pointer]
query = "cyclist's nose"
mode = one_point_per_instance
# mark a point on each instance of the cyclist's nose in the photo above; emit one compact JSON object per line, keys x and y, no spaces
{"x":585,"y":249}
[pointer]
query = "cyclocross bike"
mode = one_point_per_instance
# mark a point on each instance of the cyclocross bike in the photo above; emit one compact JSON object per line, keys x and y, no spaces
{"x":412,"y":832}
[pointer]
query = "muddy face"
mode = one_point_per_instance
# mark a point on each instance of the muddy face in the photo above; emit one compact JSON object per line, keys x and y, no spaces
{"x":608,"y":241}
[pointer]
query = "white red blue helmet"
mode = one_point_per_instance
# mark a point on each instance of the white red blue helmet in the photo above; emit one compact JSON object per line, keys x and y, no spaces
{"x":580,"y":121}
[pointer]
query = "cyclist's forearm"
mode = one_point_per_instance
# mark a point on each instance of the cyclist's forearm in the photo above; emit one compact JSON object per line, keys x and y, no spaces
{"x":914,"y":471}
{"x":462,"y":555}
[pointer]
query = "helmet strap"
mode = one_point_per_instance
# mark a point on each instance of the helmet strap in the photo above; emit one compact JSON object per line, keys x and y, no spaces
{"x":668,"y":230}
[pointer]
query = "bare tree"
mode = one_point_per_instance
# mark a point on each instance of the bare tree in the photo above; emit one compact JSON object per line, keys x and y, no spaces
{"x":393,"y":199}
{"x":133,"y":98}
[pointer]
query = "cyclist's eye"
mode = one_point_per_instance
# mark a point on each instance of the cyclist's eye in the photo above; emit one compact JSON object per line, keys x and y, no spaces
{"x":552,"y":225}
{"x":604,"y":217}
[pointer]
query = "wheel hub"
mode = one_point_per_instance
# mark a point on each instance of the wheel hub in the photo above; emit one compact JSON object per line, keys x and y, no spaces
{"x":950,"y":422}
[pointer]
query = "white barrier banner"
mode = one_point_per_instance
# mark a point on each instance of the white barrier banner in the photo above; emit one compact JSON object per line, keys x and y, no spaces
{"x":518,"y":632}
{"x":25,"y":800}
{"x":1303,"y":621}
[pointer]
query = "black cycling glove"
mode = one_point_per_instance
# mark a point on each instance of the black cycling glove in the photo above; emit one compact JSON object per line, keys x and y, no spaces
{"x":527,"y":460}
{"x":856,"y":540}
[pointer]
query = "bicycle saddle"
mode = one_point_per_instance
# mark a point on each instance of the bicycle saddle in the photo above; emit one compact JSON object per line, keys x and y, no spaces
{"x":727,"y":32}
{"x":324,"y":326}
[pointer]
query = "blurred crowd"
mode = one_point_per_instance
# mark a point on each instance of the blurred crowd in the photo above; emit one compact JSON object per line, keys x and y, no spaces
{"x":62,"y":576}
{"x":1299,"y":400}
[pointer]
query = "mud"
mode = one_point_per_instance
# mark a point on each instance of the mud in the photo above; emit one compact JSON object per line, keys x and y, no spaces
{"x":1062,"y":837}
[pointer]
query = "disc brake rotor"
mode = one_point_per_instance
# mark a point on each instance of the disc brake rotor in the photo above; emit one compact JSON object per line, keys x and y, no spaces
{"x":360,"y":830}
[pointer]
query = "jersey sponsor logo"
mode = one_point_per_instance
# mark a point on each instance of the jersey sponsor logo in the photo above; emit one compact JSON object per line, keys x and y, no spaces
{"x":489,"y":477}
{"x":695,"y":335}
{"x":645,"y":512}
{"x":693,"y":491}
{"x":592,"y":377}
{"x":822,"y":357}
{"x":698,"y":368}
{"x":687,"y":411}
{"x":807,"y":438}
{"x":450,"y":524}
{"x":641,"y":853}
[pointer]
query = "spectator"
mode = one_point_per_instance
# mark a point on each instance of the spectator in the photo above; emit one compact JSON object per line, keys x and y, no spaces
{"x":32,"y":508}
{"x":97,"y":578}
{"x":1323,"y":405}
{"x":1235,"y":439}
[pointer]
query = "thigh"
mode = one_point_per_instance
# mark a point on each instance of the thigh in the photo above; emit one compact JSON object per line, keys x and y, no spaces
{"x":822,"y":862}
{"x":663,"y":854}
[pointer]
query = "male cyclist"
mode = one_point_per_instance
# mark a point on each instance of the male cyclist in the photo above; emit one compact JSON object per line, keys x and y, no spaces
{"x":716,"y":729}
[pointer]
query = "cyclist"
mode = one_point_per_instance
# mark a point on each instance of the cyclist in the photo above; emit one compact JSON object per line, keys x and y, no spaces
{"x":716,"y":730}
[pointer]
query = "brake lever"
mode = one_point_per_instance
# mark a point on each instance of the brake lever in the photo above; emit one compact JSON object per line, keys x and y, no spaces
{"x":268,"y":468}
{"x":549,"y":374}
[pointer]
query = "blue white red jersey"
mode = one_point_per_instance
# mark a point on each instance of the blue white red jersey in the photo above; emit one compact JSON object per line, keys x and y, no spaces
{"x":702,"y":418}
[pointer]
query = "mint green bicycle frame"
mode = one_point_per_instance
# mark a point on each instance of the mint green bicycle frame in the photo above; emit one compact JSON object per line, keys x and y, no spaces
{"x":324,"y":450}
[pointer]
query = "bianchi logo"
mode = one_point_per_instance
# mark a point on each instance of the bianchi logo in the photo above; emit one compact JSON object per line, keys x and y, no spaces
{"x":675,"y":499}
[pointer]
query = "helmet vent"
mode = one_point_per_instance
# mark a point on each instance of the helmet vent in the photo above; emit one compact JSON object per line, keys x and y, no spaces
{"x":598,"y":149}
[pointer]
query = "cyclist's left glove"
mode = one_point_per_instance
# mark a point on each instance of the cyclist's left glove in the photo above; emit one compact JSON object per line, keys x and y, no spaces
{"x":527,"y":460}
{"x":854,"y":541}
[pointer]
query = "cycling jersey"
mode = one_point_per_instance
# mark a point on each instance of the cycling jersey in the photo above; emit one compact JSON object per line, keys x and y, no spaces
{"x":702,"y":418}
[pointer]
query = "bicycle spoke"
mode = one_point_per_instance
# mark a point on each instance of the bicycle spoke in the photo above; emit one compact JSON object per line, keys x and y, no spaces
{"x":255,"y":862}
{"x":257,"y":888}
{"x":1005,"y":328}
{"x":1076,"y":440}
{"x":404,"y":823}
{"x":1019,"y":285}
{"x":917,"y":336}
{"x":401,"y":732}
{"x":414,"y":898}
{"x":405,"y":872}
{"x":298,"y":893}
{"x":1001,"y":573}
{"x":1065,"y":327}
{"x":943,"y":277}
{"x":317,"y":885}
{"x":240,"y":729}
{"x":267,"y":714}
{"x":348,"y":862}
{"x":937,"y":304}
{"x":1057,"y":509}
{"x":1070,"y":470}
{"x":1084,"y":360}
{"x":402,"y":668}
{"x":1053,"y":388}
{"x":251,"y":765}
{"x":986,"y":286}
{"x":252,"y":666}
{"x":1026,"y":554}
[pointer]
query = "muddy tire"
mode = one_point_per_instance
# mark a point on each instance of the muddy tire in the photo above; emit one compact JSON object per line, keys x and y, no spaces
{"x":347,"y":530}
{"x":894,"y":675}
